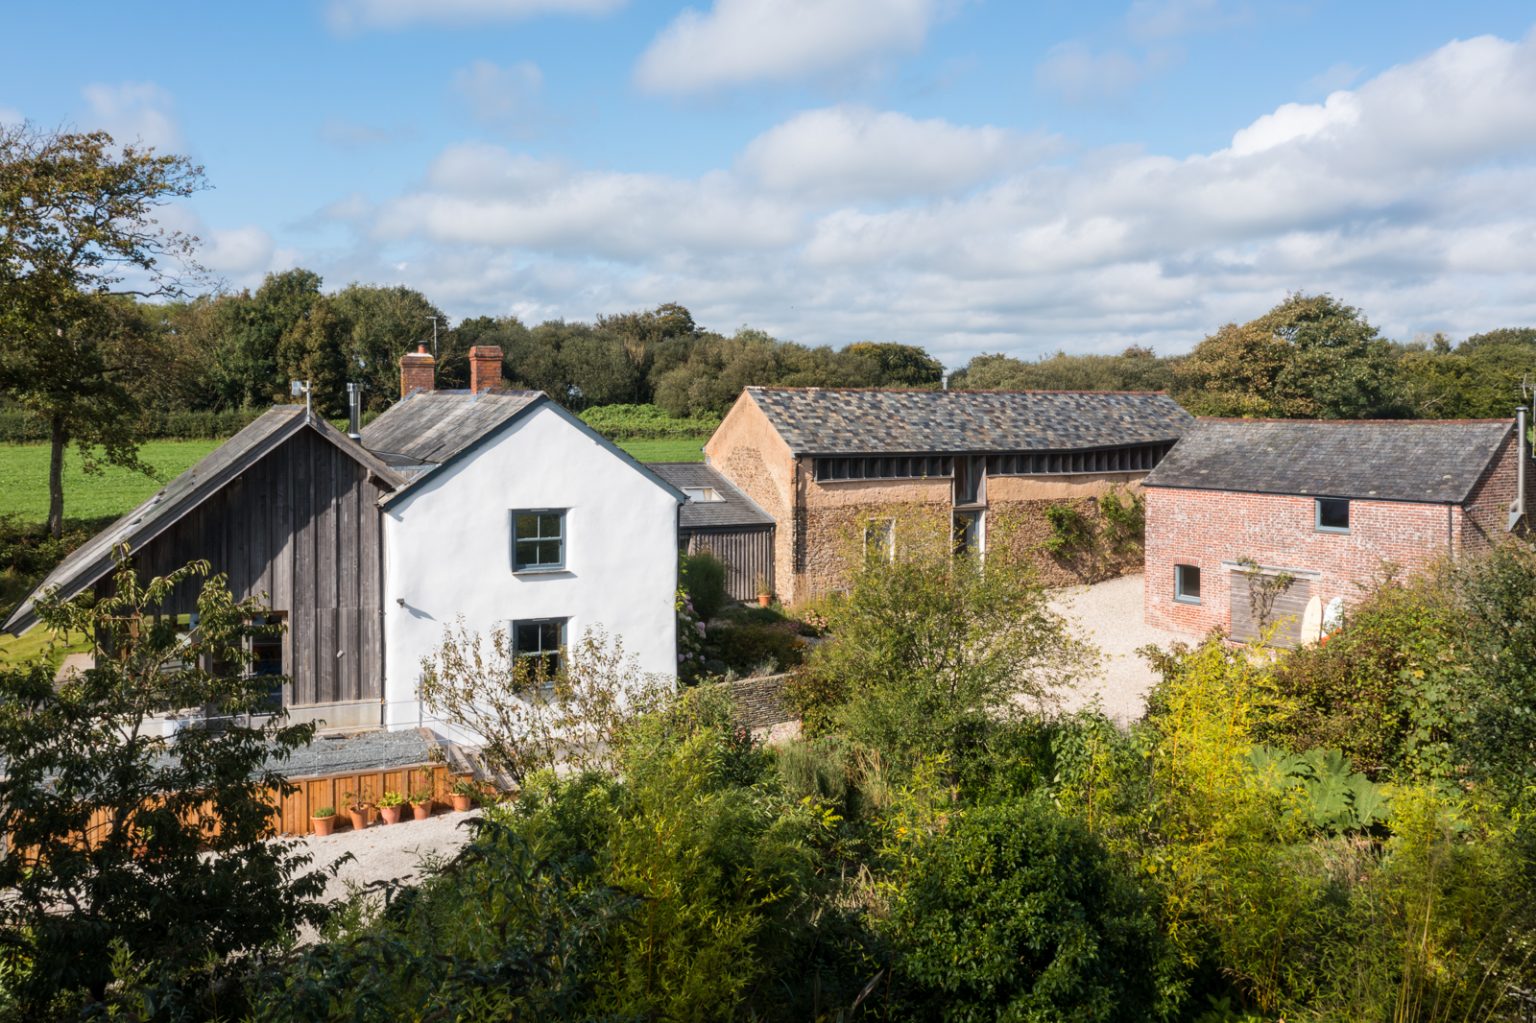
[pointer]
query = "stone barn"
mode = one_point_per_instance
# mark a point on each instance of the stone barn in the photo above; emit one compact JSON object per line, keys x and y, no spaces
{"x":850,"y":474}
{"x":1249,"y":523}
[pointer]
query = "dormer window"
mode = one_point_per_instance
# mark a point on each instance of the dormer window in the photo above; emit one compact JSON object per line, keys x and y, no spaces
{"x":702,"y":495}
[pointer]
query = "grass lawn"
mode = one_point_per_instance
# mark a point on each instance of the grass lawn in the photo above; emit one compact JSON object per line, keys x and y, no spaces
{"x":38,"y":644}
{"x":24,"y":479}
{"x":688,"y":449}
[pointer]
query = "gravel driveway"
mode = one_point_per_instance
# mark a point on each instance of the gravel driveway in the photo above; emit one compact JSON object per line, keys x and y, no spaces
{"x":1109,"y":615}
{"x":387,"y":851}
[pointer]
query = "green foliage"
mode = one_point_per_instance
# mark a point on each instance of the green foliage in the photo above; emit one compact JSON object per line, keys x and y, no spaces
{"x":745,"y":648}
{"x":646,"y":422}
{"x":1334,"y":796}
{"x":117,"y":837}
{"x":1071,"y":532}
{"x":703,"y":579}
{"x":1135,"y":369}
{"x":1016,"y":912}
{"x":933,"y":651}
{"x":103,"y":495}
{"x":1124,"y":518}
{"x":1310,"y":357}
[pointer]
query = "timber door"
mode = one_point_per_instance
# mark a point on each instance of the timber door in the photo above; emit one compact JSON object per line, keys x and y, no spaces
{"x":1263,"y":603}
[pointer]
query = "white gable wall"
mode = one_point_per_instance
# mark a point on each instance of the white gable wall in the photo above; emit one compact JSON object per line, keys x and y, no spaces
{"x":448,"y":552}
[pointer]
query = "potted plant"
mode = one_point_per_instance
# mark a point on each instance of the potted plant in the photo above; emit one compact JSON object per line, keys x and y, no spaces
{"x":764,"y":591}
{"x":357,"y":810}
{"x":421,"y":803}
{"x":464,"y":794}
{"x":323,"y":820}
{"x":391,"y":806}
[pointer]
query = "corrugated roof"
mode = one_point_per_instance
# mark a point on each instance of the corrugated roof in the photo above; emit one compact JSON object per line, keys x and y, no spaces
{"x":432,"y":427}
{"x":93,"y":559}
{"x":735,"y":508}
{"x":820,"y":421}
{"x":1406,"y":460}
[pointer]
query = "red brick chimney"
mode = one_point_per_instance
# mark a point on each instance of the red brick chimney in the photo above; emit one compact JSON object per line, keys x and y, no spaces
{"x":484,"y":368}
{"x":417,"y":371}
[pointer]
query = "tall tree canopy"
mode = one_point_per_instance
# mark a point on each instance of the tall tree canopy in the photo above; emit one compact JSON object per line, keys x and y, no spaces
{"x":1310,"y":357}
{"x":78,"y":231}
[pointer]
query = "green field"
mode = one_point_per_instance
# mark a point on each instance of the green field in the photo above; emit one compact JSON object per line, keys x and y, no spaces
{"x":24,"y":475}
{"x":24,"y":479}
{"x":672,"y":449}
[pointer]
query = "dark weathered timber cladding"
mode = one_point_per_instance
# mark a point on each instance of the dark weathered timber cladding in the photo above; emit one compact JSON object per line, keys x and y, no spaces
{"x":301,"y":529}
{"x":747,"y":553}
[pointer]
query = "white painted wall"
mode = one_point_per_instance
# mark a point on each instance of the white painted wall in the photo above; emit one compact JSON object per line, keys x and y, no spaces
{"x":448,"y":552}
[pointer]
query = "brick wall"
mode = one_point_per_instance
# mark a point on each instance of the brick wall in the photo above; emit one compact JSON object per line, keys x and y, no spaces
{"x":1206,"y":528}
{"x":749,"y":452}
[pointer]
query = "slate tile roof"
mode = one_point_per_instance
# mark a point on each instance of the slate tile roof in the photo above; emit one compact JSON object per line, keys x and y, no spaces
{"x":736,"y":510}
{"x":428,"y":428}
{"x":823,"y":421}
{"x":1432,"y":462}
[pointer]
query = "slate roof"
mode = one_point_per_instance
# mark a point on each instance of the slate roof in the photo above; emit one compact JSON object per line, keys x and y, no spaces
{"x":736,"y":510}
{"x":1406,"y":460}
{"x":428,"y":428}
{"x":822,"y":421}
{"x":93,"y":559}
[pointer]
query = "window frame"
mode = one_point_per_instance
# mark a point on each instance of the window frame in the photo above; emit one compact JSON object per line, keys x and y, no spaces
{"x":564,"y":538}
{"x":1181,"y":594}
{"x":880,"y":538}
{"x":1317,"y":514}
{"x":557,"y":655}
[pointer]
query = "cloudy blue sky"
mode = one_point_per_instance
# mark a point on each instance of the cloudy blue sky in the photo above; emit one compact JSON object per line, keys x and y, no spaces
{"x":970,"y":175}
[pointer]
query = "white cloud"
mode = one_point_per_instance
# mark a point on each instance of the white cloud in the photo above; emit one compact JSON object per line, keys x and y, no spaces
{"x":237,"y":253}
{"x":10,"y":116}
{"x":742,"y":41}
{"x":355,"y":15}
{"x":856,"y":152}
{"x":1412,"y":196}
{"x":134,"y":112}
{"x":504,"y":97}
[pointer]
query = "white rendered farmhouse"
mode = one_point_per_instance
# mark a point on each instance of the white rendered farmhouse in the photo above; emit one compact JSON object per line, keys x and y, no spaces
{"x":517,"y":516}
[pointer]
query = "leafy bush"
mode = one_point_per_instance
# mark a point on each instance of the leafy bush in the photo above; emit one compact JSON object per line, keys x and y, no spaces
{"x":1071,"y":532}
{"x":1124,"y":521}
{"x":646,"y":422}
{"x":127,"y":852}
{"x":933,"y":652}
{"x":1016,"y":912}
{"x":746,"y":648}
{"x":703,"y":579}
{"x":18,"y":426}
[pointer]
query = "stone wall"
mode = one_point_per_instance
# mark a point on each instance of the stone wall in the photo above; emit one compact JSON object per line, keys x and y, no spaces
{"x":758,"y":701}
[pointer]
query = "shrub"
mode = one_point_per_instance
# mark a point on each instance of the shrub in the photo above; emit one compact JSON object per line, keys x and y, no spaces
{"x":1071,"y":532}
{"x":703,"y":579}
{"x":1016,"y":912}
{"x":646,"y":422}
{"x":933,"y":652}
{"x":747,"y":648}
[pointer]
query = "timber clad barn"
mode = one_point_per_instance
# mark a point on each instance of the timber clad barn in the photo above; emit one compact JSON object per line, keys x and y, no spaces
{"x":848,"y":474}
{"x":1328,"y":504}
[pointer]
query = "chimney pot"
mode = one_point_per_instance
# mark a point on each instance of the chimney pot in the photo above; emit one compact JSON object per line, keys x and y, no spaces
{"x":417,"y":371}
{"x":484,"y":368}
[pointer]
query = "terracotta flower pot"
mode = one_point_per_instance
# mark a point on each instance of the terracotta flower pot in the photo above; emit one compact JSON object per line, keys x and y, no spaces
{"x":422,"y":810}
{"x":323,"y":825}
{"x":359,"y":816}
{"x":391,"y":814}
{"x":462,"y":803}
{"x":764,"y":599}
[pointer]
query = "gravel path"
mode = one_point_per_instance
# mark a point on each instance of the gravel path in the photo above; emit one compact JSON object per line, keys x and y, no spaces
{"x":387,"y":851}
{"x":1109,"y":615}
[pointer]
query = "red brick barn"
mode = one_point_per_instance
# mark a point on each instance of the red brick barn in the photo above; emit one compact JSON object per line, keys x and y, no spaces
{"x":1328,"y":504}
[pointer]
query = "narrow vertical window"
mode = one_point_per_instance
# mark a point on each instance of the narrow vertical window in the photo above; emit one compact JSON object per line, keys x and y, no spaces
{"x":1186,"y":584}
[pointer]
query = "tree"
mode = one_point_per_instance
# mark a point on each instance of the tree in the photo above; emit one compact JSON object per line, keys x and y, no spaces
{"x":77,"y":225}
{"x":382,"y":324}
{"x":899,"y":365}
{"x":931,"y":650}
{"x":314,"y":349}
{"x":119,"y":838}
{"x":1310,"y":357}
